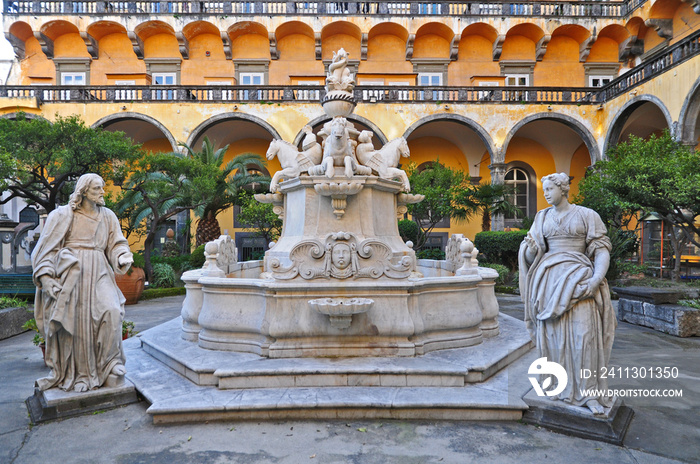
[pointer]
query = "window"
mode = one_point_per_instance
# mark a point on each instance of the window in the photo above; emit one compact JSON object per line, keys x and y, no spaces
{"x":73,"y":78}
{"x":520,"y":180}
{"x":431,"y":80}
{"x":252,"y":78}
{"x":598,"y":81}
{"x":517,"y":80}
{"x":163,"y":79}
{"x":70,"y":78}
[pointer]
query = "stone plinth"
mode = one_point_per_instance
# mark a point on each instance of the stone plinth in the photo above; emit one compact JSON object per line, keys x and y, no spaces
{"x":57,"y":404}
{"x":577,"y":421}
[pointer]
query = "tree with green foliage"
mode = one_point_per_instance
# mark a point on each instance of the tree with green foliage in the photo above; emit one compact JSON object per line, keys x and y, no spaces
{"x":230,"y":179}
{"x":642,"y":176}
{"x":40,"y":160}
{"x":259,"y":218}
{"x":162,"y":185}
{"x":449,"y":193}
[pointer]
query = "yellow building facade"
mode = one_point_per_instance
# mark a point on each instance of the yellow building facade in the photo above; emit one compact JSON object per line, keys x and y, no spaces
{"x":508,"y":92}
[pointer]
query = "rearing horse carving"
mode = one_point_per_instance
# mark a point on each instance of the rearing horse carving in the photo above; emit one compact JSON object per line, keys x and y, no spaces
{"x":385,"y":160}
{"x":293,"y":161}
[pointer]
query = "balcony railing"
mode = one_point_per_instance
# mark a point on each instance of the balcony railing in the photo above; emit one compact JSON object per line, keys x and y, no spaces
{"x":305,"y":93}
{"x":575,"y":9}
{"x":651,"y":68}
{"x":654,"y":66}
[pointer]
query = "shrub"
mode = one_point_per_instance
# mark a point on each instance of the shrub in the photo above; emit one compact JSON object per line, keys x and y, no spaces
{"x":197,"y":257}
{"x":179,"y":263}
{"x":500,"y":247}
{"x":502,"y":270}
{"x":8,"y":302}
{"x":409,"y":230}
{"x":430,"y":253}
{"x":163,"y":275}
{"x":151,"y":293}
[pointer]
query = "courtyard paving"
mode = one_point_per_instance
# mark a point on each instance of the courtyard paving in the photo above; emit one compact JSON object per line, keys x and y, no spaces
{"x":663,"y":430}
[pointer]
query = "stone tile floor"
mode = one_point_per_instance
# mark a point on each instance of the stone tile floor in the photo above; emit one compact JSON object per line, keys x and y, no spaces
{"x":663,"y":430}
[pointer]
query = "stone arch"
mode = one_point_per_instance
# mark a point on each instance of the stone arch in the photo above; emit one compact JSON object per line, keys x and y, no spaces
{"x":568,"y":121}
{"x":231,"y":116}
{"x":14,"y":114}
{"x":143,"y":117}
{"x":470,"y":123}
{"x":624,"y":113}
{"x":378,"y":133}
{"x":690,"y":117}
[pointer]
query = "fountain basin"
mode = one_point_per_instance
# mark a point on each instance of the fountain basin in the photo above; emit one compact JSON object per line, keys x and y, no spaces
{"x":275,"y":319}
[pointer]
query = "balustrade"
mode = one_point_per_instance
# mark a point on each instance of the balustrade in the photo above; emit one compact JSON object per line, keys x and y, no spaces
{"x":578,"y":9}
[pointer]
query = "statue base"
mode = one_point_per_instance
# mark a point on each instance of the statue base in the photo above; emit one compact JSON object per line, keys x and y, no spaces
{"x":57,"y":404}
{"x":578,"y":421}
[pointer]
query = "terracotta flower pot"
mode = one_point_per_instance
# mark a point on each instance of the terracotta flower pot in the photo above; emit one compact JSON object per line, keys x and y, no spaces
{"x":132,"y":285}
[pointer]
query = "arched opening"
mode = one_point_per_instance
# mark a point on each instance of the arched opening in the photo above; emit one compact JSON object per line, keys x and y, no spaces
{"x":454,"y":143}
{"x":243,"y":134}
{"x":542,"y":145}
{"x":641,"y":117}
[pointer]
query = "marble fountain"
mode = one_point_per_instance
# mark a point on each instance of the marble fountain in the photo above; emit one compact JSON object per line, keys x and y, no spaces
{"x":339,"y":320}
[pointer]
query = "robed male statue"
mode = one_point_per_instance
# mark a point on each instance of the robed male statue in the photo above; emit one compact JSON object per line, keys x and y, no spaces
{"x":78,"y":306}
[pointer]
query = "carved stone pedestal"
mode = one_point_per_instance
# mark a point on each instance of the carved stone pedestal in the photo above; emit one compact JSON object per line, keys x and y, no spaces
{"x":57,"y":404}
{"x":579,"y":421}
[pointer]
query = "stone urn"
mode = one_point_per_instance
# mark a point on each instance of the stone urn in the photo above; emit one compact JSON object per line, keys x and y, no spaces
{"x":132,"y":284}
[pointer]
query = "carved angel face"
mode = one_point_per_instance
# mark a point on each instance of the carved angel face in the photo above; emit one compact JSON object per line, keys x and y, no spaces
{"x":340,"y":256}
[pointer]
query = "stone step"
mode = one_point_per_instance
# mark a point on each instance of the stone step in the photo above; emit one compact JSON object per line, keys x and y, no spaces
{"x":165,"y":369}
{"x":233,"y":370}
{"x":174,"y":398}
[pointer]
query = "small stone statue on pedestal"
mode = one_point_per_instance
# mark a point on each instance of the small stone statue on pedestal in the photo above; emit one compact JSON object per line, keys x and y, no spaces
{"x":78,"y":306}
{"x":563,"y":261}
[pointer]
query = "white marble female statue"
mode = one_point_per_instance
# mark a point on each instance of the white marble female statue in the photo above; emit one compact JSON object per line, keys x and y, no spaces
{"x":563,"y":261}
{"x":78,"y":306}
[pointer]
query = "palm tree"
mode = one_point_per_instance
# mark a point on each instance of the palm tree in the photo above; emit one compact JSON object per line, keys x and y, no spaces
{"x":232,"y":177}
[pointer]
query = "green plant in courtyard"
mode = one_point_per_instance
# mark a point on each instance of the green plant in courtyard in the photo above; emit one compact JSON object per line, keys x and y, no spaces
{"x":31,"y":325}
{"x":163,"y":275}
{"x":40,"y":160}
{"x":449,"y":193}
{"x":656,"y":175}
{"x":12,"y":302}
{"x":259,"y":218}
{"x":229,"y":179}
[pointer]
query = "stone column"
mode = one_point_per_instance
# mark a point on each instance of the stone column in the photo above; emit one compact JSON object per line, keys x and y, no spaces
{"x":498,"y":174}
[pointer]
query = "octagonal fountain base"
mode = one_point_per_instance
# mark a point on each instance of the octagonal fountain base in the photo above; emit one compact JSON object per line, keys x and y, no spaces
{"x":187,"y":383}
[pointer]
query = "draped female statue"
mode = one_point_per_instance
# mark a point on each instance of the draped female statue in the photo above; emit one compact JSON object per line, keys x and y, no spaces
{"x":563,"y":261}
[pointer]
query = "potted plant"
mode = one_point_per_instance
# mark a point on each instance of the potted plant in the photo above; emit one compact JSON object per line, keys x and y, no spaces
{"x":127,"y":329}
{"x":38,"y":340}
{"x":132,"y":283}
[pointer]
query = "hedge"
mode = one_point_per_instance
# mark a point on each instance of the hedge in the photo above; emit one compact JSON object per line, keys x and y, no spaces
{"x":500,"y":247}
{"x":151,"y":293}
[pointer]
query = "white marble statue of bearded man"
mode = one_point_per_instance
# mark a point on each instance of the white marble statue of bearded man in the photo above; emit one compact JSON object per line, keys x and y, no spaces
{"x":78,"y":306}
